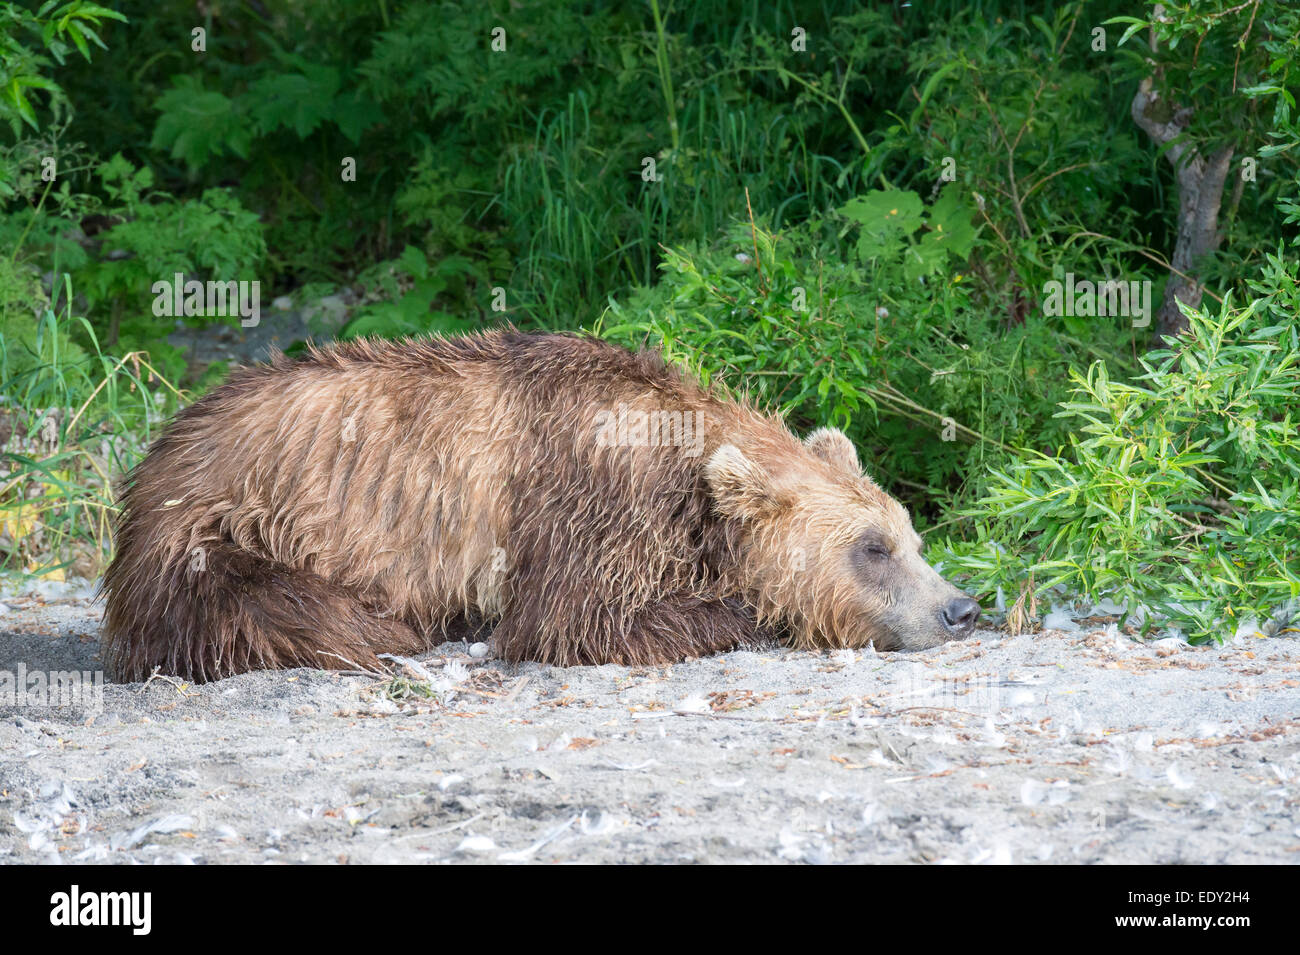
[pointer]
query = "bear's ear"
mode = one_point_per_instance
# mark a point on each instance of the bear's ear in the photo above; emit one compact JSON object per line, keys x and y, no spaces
{"x":740,"y":487}
{"x":834,"y":447}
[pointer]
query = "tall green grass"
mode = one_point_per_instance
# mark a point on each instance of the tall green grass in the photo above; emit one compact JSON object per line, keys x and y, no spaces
{"x":73,"y":420}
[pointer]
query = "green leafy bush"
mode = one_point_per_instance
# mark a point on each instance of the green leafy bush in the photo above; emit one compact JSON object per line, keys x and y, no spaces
{"x":158,"y":237}
{"x":403,"y":295}
{"x":869,"y":321}
{"x":1177,"y":493}
{"x":55,"y":28}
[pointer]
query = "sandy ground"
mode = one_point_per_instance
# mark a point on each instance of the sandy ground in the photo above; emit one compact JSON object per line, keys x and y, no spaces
{"x":1059,"y":747}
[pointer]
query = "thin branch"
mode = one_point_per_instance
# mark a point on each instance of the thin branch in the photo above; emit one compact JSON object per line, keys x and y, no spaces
{"x":1163,"y":263}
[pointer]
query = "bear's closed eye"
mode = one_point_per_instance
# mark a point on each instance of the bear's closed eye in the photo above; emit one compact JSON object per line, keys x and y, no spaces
{"x":873,"y":547}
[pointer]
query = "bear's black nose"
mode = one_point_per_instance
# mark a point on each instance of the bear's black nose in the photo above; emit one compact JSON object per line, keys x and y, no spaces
{"x":959,"y":616}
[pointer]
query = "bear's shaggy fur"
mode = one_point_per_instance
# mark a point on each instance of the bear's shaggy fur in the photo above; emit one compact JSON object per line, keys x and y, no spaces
{"x":320,"y":511}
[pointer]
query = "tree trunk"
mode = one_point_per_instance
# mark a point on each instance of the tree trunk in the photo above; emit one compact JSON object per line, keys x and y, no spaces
{"x":1200,"y":193}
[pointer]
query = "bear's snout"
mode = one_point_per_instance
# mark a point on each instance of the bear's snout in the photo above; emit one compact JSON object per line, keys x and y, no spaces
{"x":959,"y":617}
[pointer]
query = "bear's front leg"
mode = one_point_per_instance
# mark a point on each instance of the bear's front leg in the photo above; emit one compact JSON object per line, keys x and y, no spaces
{"x":679,"y":627}
{"x":673,"y":628}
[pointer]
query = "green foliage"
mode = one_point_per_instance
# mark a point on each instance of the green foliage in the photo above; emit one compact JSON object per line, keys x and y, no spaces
{"x":406,"y":290}
{"x":35,"y":352}
{"x":1177,"y":493}
{"x":198,"y":125}
{"x":888,"y":219}
{"x":159,"y":237}
{"x":24,"y":34}
{"x":526,"y":161}
{"x":933,"y":389}
{"x":73,"y":420}
{"x":781,"y":324}
{"x":1223,"y":63}
{"x":1278,"y":86}
{"x":1034,"y":127}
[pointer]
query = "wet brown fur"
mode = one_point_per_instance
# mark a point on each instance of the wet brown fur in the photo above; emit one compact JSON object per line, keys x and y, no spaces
{"x":320,"y":511}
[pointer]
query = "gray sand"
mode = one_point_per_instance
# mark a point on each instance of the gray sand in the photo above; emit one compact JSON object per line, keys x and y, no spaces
{"x":1056,"y":747}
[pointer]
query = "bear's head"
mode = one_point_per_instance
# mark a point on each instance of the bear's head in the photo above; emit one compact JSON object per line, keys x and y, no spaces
{"x":828,"y":553}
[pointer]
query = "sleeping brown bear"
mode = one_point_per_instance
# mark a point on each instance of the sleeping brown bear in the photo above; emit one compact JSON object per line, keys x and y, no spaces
{"x":598,"y":504}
